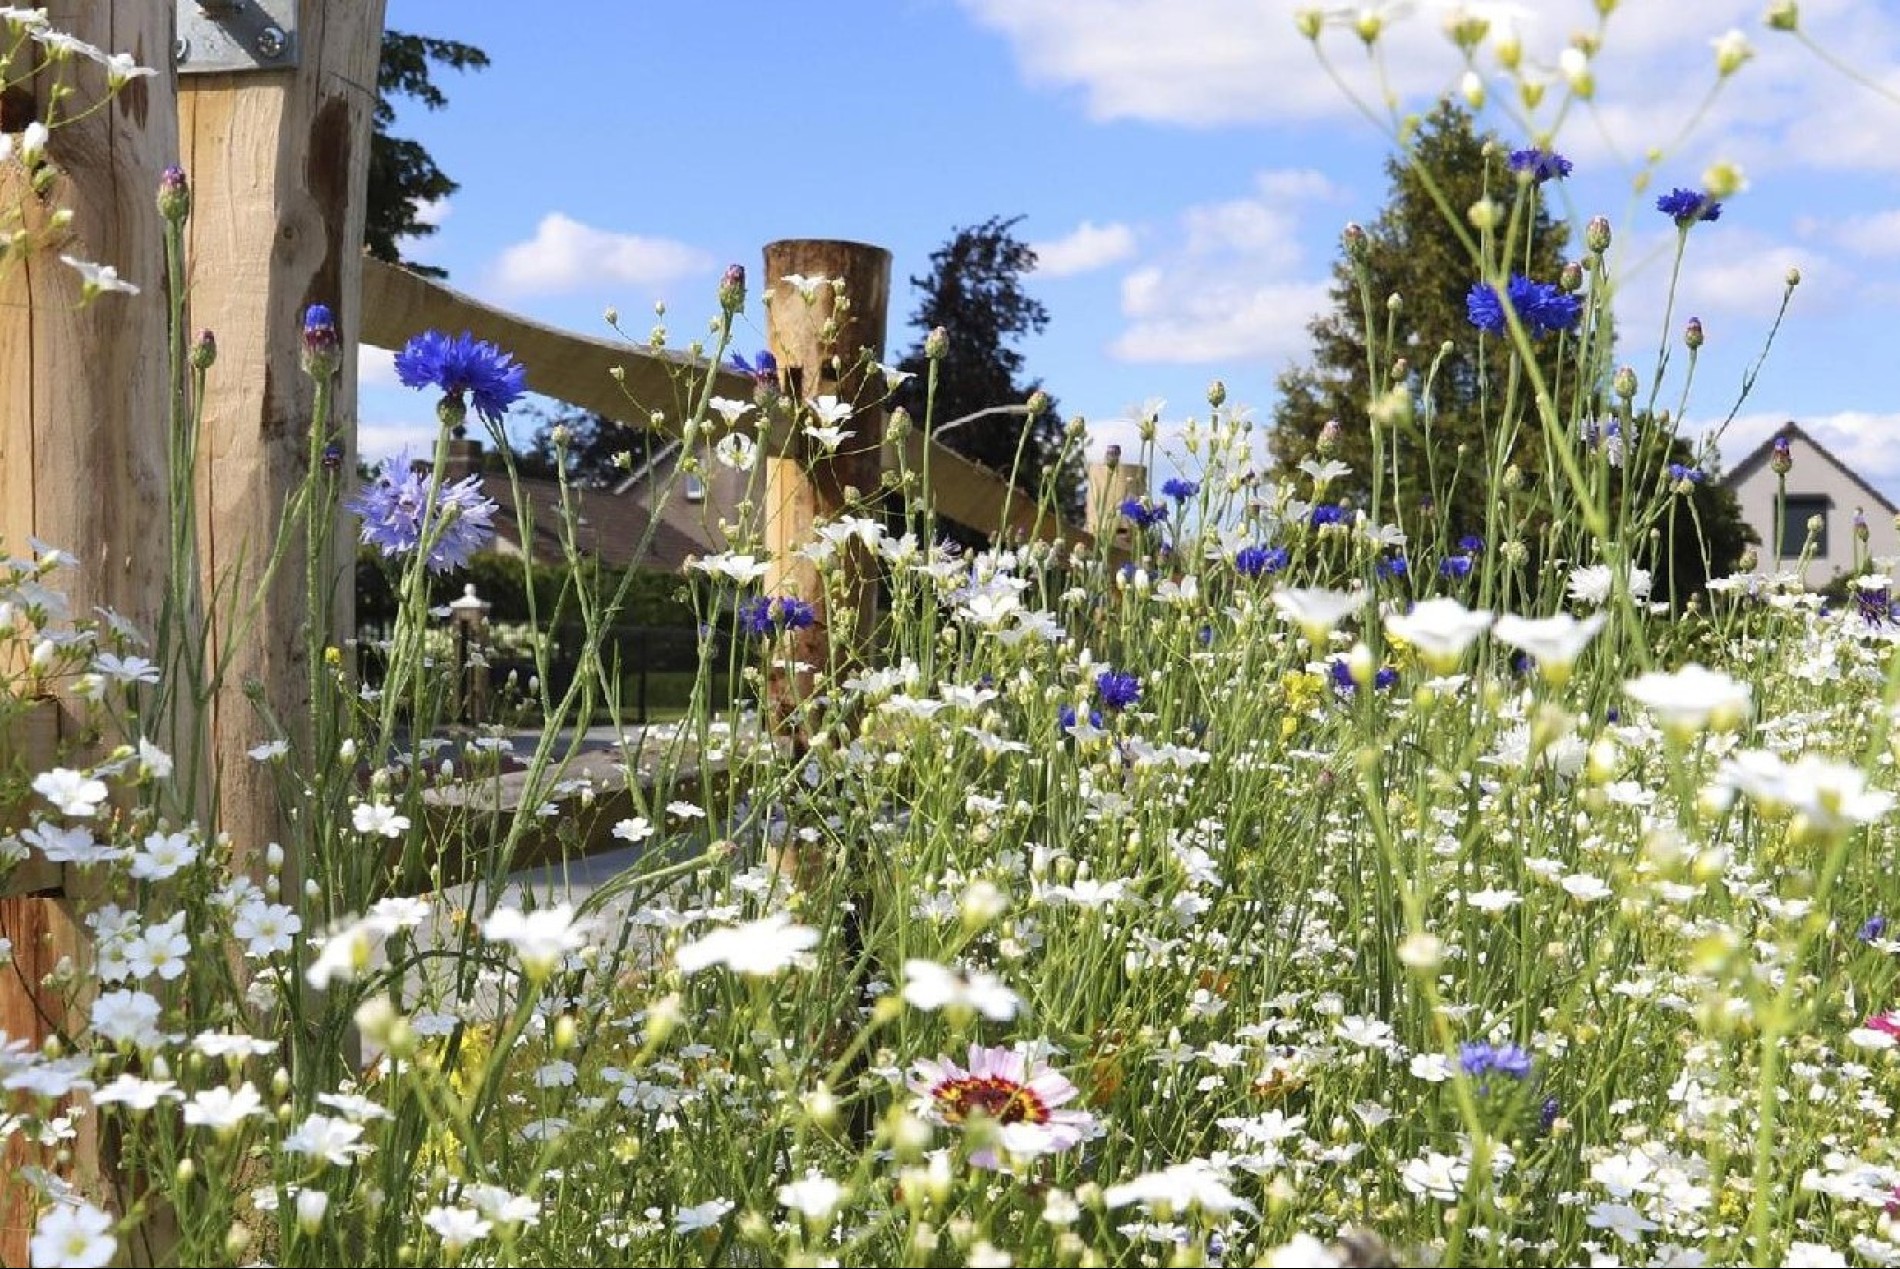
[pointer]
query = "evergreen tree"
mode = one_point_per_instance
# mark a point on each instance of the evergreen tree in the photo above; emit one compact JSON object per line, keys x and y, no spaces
{"x":974,"y":293}
{"x":403,"y":176}
{"x":1414,"y":275}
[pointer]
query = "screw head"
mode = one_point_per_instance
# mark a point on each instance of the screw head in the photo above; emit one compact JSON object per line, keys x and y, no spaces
{"x":181,"y":49}
{"x":271,"y":42}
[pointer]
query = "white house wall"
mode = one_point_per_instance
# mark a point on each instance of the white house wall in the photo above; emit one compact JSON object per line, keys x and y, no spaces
{"x":1813,"y":473}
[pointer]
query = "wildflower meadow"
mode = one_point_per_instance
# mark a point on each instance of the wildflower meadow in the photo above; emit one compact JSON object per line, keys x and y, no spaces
{"x":1282,"y":878}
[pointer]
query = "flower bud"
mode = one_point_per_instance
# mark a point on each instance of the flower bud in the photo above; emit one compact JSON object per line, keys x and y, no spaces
{"x":1782,"y":459}
{"x":1692,"y":334}
{"x":1731,"y":52}
{"x":311,"y":1206}
{"x":174,"y":194}
{"x":1328,"y":440}
{"x":1484,"y":215}
{"x":204,"y":351}
{"x":1353,"y":237}
{"x":937,"y":344}
{"x":1783,"y":15}
{"x":1596,"y":234}
{"x":1723,"y":180}
{"x":1624,"y":382}
{"x":322,"y":349}
{"x":1794,"y":277}
{"x":1466,"y":29}
{"x":1471,"y":87}
{"x":1309,"y":22}
{"x":732,"y":289}
{"x":1217,"y":394}
{"x":1038,"y":403}
{"x":1570,"y":278}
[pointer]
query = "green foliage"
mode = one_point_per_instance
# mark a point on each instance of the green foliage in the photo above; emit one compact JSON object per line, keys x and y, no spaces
{"x":654,"y":597}
{"x":974,"y":292}
{"x":1411,"y":253}
{"x":403,"y":176}
{"x":595,"y":447}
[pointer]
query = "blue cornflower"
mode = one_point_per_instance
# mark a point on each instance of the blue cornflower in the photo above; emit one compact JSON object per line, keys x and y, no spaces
{"x":467,"y":370}
{"x":1326,"y":513}
{"x":393,"y":505}
{"x":1681,"y":473}
{"x":763,"y":617}
{"x":1393,"y":566}
{"x":1686,"y":206}
{"x":1179,"y":490}
{"x":1541,"y":306}
{"x":1548,"y":1112}
{"x":1455,"y":567}
{"x":1252,"y":561}
{"x":763,"y":368}
{"x":1543,"y":165}
{"x":1480,"y":1059}
{"x":1382,"y":678}
{"x":1117,"y":689}
{"x":1142,"y":514}
{"x":322,"y":347}
{"x":1065,"y":718}
{"x":1873,"y":927}
{"x":1471,"y":544}
{"x":1874,"y":603}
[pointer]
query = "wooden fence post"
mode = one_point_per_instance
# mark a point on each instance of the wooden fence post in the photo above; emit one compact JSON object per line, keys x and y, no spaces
{"x":279,"y":165}
{"x":83,"y":395}
{"x":824,"y":345}
{"x":1112,"y":482}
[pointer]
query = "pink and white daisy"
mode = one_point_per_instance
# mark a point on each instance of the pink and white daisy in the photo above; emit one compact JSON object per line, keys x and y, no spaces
{"x":1023,"y":1096}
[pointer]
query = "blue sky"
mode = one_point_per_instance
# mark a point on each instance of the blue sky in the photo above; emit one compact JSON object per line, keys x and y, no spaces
{"x":1184,"y":168}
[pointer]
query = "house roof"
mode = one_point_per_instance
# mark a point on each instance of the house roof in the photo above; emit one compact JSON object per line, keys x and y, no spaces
{"x":1758,"y":458}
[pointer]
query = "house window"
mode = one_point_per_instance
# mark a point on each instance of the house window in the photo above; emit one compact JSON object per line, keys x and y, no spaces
{"x":1796,"y":512}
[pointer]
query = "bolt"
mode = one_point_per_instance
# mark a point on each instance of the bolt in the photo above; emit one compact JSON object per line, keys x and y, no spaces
{"x":271,"y":42}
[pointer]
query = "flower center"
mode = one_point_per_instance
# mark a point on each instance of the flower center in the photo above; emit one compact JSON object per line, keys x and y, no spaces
{"x":1003,"y":1100}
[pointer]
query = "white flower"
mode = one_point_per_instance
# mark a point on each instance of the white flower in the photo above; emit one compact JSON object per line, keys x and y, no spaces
{"x":73,"y":1236}
{"x":690,"y":1220}
{"x":74,"y":845}
{"x":1620,"y":1219}
{"x":1585,"y":888}
{"x":1829,"y":797}
{"x":162,"y":855}
{"x":829,"y":437}
{"x":1690,"y":699}
{"x":457,"y":1227}
{"x":231,"y":1044}
{"x":1732,"y":50}
{"x":335,"y":1141}
{"x":1489,"y":900}
{"x":737,"y":451}
{"x":814,"y":1196}
{"x":1314,"y":610}
{"x":159,"y":949}
{"x":377,"y":817}
{"x":72,"y":792}
{"x":1435,"y":1175}
{"x":134,"y":1093}
{"x":343,"y":955}
{"x":1181,"y":1187}
{"x":736,"y":568}
{"x":1804,"y":1255}
{"x":893,"y":377}
{"x":222,"y":1109}
{"x":634,"y":830}
{"x":930,"y":987}
{"x":757,"y":949}
{"x":122,"y":68}
{"x":311,"y":1207}
{"x":126,"y":1017}
{"x":97,"y":278}
{"x":807,"y":288}
{"x":128,"y":669}
{"x":1595,"y":583}
{"x":1433,"y":1068}
{"x":540,"y":938}
{"x":1553,"y":642}
{"x":731,"y":411}
{"x":829,"y":410}
{"x":1303,"y":1252}
{"x":268,"y":750}
{"x":1441,"y":630}
{"x":153,"y":761}
{"x":265,"y":929}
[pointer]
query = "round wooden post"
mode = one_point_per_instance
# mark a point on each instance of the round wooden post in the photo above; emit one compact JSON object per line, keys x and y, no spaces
{"x":1112,"y":482}
{"x":824,"y":345}
{"x":83,"y":396}
{"x":279,"y":161}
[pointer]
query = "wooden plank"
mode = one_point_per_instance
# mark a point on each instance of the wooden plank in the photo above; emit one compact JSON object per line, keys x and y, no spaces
{"x":578,"y":369}
{"x":971,"y":494}
{"x":279,"y":166}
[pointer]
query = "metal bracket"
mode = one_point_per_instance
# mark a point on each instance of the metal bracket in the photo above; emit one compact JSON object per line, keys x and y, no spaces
{"x":222,"y":36}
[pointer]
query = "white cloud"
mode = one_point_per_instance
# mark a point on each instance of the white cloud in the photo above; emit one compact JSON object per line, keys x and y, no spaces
{"x":566,"y":255}
{"x":1872,"y":234}
{"x":1087,"y":247}
{"x":1727,"y":271}
{"x":375,"y":368}
{"x":434,"y":211}
{"x":1232,"y":288}
{"x":1861,"y":439}
{"x":378,"y":441}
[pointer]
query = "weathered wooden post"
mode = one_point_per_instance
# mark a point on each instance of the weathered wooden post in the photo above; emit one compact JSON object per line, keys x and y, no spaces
{"x":1112,"y":482}
{"x":275,"y":134}
{"x":83,"y":394}
{"x":824,"y":345}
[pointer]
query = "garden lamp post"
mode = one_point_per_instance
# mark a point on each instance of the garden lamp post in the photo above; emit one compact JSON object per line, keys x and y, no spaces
{"x":470,"y":615}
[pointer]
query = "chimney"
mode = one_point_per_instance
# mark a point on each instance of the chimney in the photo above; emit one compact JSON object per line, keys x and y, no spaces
{"x":464,"y":458}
